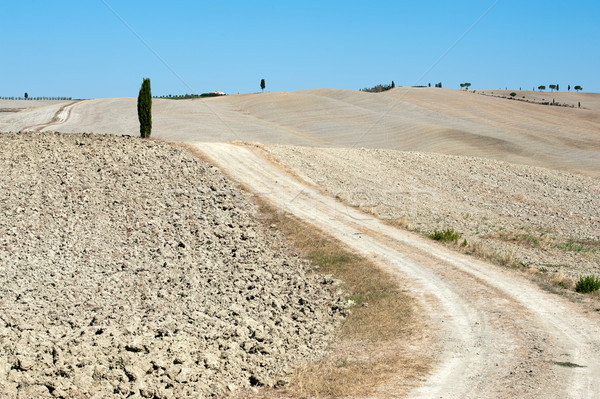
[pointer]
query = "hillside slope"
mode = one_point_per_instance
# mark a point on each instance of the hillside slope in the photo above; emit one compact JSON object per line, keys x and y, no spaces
{"x":455,"y":122}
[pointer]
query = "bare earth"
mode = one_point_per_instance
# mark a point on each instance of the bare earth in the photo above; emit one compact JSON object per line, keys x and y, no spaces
{"x":477,"y":171}
{"x":129,"y":268}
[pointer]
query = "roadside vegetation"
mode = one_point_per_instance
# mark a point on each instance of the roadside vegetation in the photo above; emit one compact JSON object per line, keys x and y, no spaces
{"x":475,"y":248}
{"x":587,"y":284}
{"x":447,"y":235}
{"x":371,"y":348}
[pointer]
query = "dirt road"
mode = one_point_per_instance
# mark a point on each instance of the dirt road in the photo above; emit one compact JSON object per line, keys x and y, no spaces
{"x":61,"y":116}
{"x":500,"y":335}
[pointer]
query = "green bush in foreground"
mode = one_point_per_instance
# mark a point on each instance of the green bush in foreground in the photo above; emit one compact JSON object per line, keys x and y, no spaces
{"x":587,"y":284}
{"x":445,"y":235}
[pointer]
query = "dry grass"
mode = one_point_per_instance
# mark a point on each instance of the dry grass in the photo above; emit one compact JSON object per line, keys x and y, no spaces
{"x":562,"y":280}
{"x":482,"y":251}
{"x":372,"y":347}
{"x":477,"y":249}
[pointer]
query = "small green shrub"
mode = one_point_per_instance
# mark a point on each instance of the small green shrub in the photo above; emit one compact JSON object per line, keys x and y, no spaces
{"x":445,"y":235}
{"x":513,"y":94}
{"x":587,"y":284}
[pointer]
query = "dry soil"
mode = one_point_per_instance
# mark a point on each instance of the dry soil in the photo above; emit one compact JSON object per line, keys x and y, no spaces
{"x":129,"y":268}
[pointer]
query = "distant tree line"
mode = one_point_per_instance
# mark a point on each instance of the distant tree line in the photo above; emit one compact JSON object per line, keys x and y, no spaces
{"x":557,"y":87}
{"x":379,"y":88}
{"x":188,"y":96}
{"x":36,"y":98}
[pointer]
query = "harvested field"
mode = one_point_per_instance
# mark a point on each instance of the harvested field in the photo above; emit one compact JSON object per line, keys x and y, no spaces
{"x":130,"y":268}
{"x":446,"y":121}
{"x":539,"y":217}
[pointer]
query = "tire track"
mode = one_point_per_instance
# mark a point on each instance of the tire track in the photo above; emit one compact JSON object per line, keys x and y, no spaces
{"x":61,"y":116}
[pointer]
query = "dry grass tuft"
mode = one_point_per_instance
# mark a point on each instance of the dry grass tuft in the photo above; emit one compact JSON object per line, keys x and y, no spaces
{"x":563,"y":280}
{"x":401,"y":223}
{"x":482,"y":251}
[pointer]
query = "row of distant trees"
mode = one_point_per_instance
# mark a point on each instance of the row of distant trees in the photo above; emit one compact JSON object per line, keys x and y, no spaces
{"x":26,"y":97}
{"x":379,"y":88}
{"x":540,"y":88}
{"x":187,"y":96}
{"x":557,"y":88}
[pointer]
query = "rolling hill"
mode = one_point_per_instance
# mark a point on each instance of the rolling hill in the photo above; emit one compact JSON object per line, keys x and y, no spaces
{"x":455,"y":122}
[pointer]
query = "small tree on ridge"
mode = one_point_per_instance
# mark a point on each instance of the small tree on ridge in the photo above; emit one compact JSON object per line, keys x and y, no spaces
{"x":262,"y":85}
{"x":144,"y":107}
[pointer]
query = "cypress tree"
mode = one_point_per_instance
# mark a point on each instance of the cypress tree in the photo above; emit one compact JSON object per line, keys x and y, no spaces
{"x":262,"y":85}
{"x":144,"y":107}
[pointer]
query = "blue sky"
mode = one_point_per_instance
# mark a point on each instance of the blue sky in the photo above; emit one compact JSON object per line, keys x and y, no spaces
{"x":83,"y":50}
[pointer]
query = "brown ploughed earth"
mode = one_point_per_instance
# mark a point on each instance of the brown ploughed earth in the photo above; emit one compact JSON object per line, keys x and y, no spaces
{"x":129,"y":267}
{"x":518,"y":180}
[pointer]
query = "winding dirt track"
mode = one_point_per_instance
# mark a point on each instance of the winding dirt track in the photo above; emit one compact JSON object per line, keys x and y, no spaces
{"x":501,"y":336}
{"x":61,"y":116}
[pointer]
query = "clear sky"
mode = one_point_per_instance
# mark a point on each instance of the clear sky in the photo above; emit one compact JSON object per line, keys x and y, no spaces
{"x":82,"y":49}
